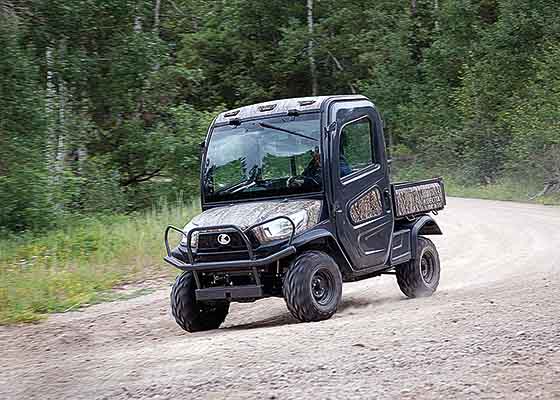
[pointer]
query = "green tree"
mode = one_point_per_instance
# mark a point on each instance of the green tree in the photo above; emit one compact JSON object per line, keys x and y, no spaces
{"x":24,"y":186}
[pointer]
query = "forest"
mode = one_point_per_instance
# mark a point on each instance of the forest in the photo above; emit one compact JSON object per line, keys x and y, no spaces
{"x":103,"y":102}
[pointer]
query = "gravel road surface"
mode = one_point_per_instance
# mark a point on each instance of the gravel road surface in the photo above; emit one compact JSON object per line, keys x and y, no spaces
{"x":491,"y":331}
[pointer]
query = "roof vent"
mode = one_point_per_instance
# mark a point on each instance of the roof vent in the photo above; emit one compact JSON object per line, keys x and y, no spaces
{"x":304,"y":103}
{"x":268,"y":107}
{"x":231,"y":113}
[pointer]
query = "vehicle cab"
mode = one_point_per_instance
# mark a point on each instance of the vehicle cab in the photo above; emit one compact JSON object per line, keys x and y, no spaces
{"x":291,"y":177}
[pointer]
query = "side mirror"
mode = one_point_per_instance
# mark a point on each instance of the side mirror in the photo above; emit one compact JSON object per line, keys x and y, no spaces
{"x":201,"y":150}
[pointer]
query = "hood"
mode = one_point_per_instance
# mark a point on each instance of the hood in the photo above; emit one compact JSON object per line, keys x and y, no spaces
{"x":247,"y":214}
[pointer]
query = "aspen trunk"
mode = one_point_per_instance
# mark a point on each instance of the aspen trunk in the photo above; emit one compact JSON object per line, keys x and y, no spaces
{"x":61,"y":123}
{"x":138,"y":19}
{"x":51,"y":97}
{"x":312,"y":65}
{"x":157,"y":8}
{"x":436,"y":16}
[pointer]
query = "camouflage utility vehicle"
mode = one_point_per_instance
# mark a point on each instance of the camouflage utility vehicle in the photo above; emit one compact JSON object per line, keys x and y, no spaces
{"x":296,"y":199}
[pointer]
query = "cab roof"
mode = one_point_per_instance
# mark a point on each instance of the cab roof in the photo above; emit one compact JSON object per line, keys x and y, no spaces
{"x":301,"y":104}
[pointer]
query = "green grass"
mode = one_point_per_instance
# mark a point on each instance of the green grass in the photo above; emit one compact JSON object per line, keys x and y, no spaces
{"x":500,"y":191}
{"x":507,"y":189}
{"x":66,"y":268}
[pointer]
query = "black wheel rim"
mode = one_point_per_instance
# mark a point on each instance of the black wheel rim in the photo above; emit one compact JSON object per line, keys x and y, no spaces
{"x":427,"y":267}
{"x":322,"y":286}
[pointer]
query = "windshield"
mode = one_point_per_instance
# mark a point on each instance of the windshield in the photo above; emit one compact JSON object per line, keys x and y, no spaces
{"x":269,"y":157}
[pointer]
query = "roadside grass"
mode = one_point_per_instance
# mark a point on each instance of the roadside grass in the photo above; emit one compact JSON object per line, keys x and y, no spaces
{"x":77,"y":265}
{"x":507,"y":189}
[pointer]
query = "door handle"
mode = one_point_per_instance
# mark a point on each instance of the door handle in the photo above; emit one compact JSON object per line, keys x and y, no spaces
{"x":337,"y":209}
{"x":387,"y":199}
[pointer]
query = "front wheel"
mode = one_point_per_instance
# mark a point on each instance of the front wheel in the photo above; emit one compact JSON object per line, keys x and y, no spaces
{"x":420,"y":277}
{"x":312,"y":286}
{"x":193,"y":315}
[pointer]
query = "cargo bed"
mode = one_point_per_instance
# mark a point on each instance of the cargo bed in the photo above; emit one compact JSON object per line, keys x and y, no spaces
{"x":414,"y":198}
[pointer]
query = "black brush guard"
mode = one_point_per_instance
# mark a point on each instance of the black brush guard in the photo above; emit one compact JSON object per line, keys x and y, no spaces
{"x":249,"y":264}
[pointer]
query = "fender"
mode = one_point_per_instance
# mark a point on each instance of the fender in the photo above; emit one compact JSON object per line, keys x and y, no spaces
{"x":322,"y":238}
{"x":425,"y":225}
{"x":313,"y":234}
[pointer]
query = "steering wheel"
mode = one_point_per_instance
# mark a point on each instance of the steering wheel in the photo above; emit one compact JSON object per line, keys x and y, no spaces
{"x":300,"y":178}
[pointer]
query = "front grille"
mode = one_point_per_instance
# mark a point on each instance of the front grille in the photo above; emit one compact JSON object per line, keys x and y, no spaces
{"x":208,"y":242}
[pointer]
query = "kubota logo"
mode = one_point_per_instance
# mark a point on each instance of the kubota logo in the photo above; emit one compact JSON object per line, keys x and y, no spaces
{"x":224,"y":239}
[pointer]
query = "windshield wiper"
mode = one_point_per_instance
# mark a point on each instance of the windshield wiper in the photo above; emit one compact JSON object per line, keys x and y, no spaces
{"x":265,"y":125}
{"x":246,"y":184}
{"x":233,"y":188}
{"x":253,"y":179}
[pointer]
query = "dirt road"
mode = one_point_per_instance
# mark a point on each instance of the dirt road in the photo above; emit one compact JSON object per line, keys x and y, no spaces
{"x":491,"y":331}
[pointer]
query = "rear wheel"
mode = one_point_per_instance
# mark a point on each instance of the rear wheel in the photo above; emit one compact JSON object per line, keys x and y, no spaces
{"x":192,"y":315}
{"x":420,"y":276}
{"x":312,"y":286}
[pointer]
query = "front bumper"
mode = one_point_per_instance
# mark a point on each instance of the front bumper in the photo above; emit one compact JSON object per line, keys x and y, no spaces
{"x":230,"y":293}
{"x":250,"y":264}
{"x":229,"y":265}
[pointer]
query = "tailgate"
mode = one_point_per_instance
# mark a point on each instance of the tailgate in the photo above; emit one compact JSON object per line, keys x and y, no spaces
{"x":413,"y":198}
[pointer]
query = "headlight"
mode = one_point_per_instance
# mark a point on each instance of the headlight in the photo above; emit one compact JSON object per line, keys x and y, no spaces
{"x":281,"y":228}
{"x":194,"y":237}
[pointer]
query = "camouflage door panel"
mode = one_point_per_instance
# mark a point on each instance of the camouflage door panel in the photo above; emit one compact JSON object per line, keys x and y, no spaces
{"x":367,"y":206}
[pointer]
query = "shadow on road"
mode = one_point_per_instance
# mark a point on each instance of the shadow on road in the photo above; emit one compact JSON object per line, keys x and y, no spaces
{"x":277,"y":320}
{"x":351,"y":303}
{"x":287,"y":319}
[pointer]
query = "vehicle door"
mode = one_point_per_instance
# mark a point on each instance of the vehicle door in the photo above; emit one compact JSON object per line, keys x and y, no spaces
{"x":360,"y":184}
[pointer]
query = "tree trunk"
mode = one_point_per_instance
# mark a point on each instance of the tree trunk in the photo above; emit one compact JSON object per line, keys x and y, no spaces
{"x":138,"y":18}
{"x":157,"y":8}
{"x":61,"y":123}
{"x":312,"y":65}
{"x":51,"y":97}
{"x":56,"y":113}
{"x":436,"y":16}
{"x":138,"y":28}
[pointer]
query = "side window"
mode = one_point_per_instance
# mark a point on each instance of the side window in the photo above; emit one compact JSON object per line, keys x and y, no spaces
{"x":356,"y":150}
